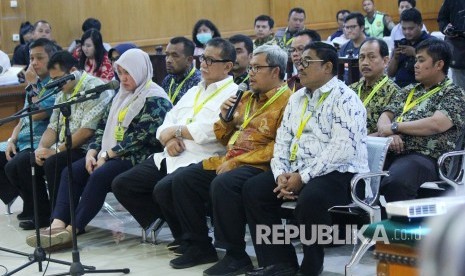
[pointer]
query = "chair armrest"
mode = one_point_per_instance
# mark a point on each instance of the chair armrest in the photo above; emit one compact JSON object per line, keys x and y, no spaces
{"x":452,"y":182}
{"x":353,"y":185}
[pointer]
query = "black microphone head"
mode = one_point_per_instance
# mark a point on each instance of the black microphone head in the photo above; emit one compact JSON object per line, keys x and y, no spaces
{"x":242,"y":87}
{"x":114,"y":84}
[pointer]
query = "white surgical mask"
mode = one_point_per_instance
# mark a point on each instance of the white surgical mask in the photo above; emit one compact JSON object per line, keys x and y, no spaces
{"x":204,"y":37}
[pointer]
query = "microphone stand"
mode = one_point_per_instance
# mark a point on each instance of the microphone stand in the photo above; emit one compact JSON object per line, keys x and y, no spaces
{"x":76,"y":267}
{"x":39,"y":255}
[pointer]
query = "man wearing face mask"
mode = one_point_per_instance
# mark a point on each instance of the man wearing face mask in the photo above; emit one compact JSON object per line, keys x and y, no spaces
{"x":295,"y":23}
{"x":182,"y":75}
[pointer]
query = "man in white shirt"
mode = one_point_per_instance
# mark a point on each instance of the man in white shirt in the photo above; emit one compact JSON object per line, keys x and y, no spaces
{"x":313,"y":165}
{"x":4,"y":62}
{"x":187,"y":134}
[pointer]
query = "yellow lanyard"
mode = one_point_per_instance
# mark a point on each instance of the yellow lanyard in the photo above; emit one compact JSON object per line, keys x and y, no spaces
{"x":75,"y":92}
{"x":303,"y":123}
{"x":42,"y":91}
{"x":199,"y":107}
{"x":409,"y":104}
{"x":373,"y":92}
{"x":247,"y":119}
{"x":176,"y":92}
{"x":287,"y":42}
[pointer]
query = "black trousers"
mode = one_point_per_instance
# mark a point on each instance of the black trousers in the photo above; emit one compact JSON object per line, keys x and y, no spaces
{"x":18,"y":171}
{"x":8,"y":191}
{"x":406,"y":174}
{"x":134,"y":189}
{"x":190,"y":188}
{"x":263,"y":208}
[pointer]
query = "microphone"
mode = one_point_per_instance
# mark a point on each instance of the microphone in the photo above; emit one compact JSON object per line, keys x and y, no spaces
{"x":114,"y":84}
{"x":76,"y":75}
{"x":240,"y":90}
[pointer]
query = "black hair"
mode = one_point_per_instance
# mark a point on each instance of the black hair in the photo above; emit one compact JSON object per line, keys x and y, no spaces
{"x":64,"y":59}
{"x":383,"y":47}
{"x":91,"y":23}
{"x":264,"y":17}
{"x":26,"y":27}
{"x":210,"y":25}
{"x":325,"y":52}
{"x":411,"y":15}
{"x":49,"y":46}
{"x":412,"y":2}
{"x":437,"y":50}
{"x":187,"y":44}
{"x":314,"y":35}
{"x":100,"y":51}
{"x":358,"y":16}
{"x":248,"y":43}
{"x":341,"y":11}
{"x":227,"y":49}
{"x":296,"y":10}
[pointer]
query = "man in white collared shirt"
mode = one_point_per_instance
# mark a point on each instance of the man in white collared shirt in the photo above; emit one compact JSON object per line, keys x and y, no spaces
{"x":313,"y":165}
{"x":187,"y":134}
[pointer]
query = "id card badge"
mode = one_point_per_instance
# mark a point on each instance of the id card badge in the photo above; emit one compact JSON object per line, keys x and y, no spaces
{"x":233,"y":138}
{"x":294,"y":149}
{"x":189,"y":120}
{"x":119,"y":133}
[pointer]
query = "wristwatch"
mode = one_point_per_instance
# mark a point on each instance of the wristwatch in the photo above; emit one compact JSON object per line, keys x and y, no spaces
{"x":395,"y":127}
{"x":105,"y":155}
{"x":178,"y":132}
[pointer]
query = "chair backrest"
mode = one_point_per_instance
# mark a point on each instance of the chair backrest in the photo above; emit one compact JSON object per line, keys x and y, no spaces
{"x":377,"y":150}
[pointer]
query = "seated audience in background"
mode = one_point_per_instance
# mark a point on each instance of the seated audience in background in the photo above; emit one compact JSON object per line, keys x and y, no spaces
{"x":244,"y":48}
{"x":50,"y":156}
{"x":204,"y":30}
{"x":425,"y":121}
{"x":263,"y":26}
{"x":249,"y":137}
{"x":355,"y":28}
{"x":188,"y":137}
{"x":375,"y":88}
{"x":42,"y":29}
{"x":314,"y":159}
{"x":452,"y":23}
{"x":401,"y":65}
{"x":89,"y":23}
{"x":295,"y":23}
{"x":182,"y":74}
{"x":396,"y":32}
{"x":124,"y":137}
{"x":377,"y":24}
{"x":301,"y":39}
{"x":94,"y":58}
{"x":115,"y":52}
{"x":340,"y":17}
{"x":18,"y":146}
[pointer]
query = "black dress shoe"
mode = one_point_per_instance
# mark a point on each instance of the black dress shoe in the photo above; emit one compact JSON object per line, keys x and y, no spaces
{"x":230,"y":266}
{"x":281,"y":269}
{"x":29,"y":224}
{"x":195,"y":255}
{"x":24,"y":216}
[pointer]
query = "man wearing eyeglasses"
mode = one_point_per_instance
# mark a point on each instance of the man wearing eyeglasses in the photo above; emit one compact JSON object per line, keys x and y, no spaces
{"x":188,"y":136}
{"x":249,"y":137}
{"x":354,"y":25}
{"x":319,"y":146}
{"x":375,"y":89}
{"x":301,"y":39}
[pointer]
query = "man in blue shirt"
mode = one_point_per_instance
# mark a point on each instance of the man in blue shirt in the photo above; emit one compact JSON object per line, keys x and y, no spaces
{"x":182,"y":75}
{"x":19,"y":142}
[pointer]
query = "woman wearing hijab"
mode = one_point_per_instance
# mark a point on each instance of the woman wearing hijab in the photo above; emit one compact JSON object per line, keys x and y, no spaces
{"x":126,"y":138}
